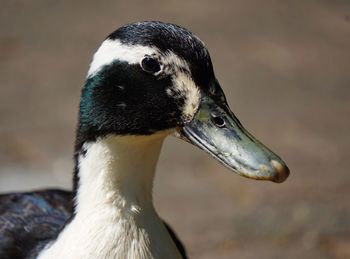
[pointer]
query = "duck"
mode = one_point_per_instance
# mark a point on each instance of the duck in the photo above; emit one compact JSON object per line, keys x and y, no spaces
{"x":147,"y":81}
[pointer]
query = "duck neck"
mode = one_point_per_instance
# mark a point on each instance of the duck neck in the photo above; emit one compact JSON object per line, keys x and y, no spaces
{"x":114,"y":214}
{"x":117,"y":171}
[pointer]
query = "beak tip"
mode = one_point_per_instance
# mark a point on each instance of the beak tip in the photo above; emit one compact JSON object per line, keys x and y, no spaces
{"x":281,"y":171}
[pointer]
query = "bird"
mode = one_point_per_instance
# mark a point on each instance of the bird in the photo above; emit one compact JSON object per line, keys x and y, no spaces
{"x":147,"y":81}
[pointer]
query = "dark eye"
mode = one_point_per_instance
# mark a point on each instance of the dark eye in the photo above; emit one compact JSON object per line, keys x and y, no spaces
{"x":218,"y":121}
{"x":150,"y":65}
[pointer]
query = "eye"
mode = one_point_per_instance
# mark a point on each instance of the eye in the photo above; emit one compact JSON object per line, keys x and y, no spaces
{"x":150,"y":65}
{"x":218,"y":121}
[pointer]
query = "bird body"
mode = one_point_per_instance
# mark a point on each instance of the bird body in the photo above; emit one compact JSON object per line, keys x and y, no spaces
{"x":147,"y":81}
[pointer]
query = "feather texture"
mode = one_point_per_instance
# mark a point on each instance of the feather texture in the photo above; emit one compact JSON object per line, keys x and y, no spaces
{"x":29,"y":221}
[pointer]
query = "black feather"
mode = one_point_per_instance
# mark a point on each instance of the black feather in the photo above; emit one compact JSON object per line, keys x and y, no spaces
{"x":28,"y":221}
{"x":167,"y":36}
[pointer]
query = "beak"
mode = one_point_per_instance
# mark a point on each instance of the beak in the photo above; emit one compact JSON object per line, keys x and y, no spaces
{"x":217,"y":131}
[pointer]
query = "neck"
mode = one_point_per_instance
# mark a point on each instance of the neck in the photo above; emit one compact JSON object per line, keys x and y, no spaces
{"x":114,"y":213}
{"x":117,"y":171}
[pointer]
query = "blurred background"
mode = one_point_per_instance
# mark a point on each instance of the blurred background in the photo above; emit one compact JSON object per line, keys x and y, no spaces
{"x":285,"y":68}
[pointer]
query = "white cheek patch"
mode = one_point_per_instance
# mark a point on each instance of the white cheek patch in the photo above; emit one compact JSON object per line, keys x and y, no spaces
{"x":111,"y":50}
{"x":173,"y":63}
{"x":184,"y":87}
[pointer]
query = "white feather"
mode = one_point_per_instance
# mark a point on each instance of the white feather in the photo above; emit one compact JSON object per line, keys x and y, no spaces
{"x":183,"y":84}
{"x":115,"y":214}
{"x":111,"y":50}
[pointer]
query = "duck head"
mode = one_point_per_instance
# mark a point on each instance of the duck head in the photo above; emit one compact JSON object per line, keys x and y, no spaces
{"x":154,"y":77}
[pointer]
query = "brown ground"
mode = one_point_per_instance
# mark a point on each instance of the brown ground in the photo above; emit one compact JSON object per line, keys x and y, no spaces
{"x":285,"y":67}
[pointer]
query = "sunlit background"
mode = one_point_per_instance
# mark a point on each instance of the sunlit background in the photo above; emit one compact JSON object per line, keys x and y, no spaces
{"x":285,"y":68}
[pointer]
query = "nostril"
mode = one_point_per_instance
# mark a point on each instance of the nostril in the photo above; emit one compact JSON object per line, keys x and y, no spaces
{"x":218,"y":121}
